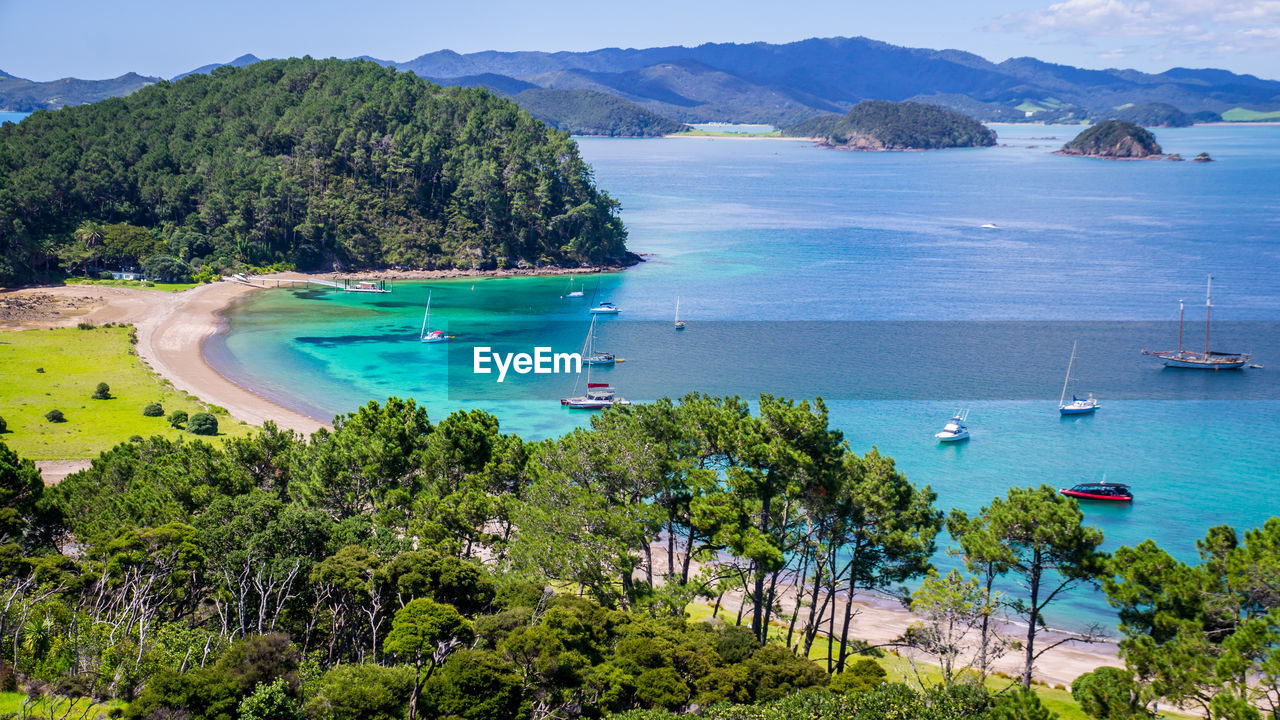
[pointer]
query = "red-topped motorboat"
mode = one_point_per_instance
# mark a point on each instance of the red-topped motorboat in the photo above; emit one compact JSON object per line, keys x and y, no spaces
{"x":1107,"y":491}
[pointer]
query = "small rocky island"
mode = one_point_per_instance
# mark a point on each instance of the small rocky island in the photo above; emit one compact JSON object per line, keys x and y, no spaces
{"x":881,"y":125}
{"x":1115,"y":140}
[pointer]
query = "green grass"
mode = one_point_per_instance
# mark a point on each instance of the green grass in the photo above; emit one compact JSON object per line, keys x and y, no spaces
{"x":12,"y":702}
{"x":74,"y":362}
{"x":1239,"y":114}
{"x":710,"y":133}
{"x":135,"y":284}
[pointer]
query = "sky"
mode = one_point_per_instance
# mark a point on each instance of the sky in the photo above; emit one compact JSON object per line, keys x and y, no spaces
{"x":51,"y":39}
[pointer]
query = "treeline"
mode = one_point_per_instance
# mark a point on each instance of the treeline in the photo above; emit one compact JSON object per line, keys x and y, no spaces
{"x":318,"y":163}
{"x":884,"y":125}
{"x":395,"y":567}
{"x":590,"y":112}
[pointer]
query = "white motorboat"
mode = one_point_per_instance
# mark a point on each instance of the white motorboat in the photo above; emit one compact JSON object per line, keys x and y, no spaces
{"x":606,"y":308}
{"x":955,"y":429}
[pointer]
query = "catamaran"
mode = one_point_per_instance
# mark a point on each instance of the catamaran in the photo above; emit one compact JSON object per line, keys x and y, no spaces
{"x":1076,"y":406}
{"x":1207,"y":360}
{"x":427,"y":335}
{"x":679,"y":322}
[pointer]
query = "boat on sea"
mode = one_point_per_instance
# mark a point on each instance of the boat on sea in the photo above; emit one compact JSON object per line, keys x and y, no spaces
{"x":573,"y":293}
{"x":955,"y":430}
{"x":1105,"y":491}
{"x":599,"y":395}
{"x":1207,"y":360}
{"x":427,"y":335}
{"x":679,"y":322}
{"x":593,"y":356}
{"x":989,"y":226}
{"x":606,"y":308}
{"x":1077,"y":406}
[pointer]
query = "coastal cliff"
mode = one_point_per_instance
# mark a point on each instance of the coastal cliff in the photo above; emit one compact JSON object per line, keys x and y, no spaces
{"x":1114,"y":140}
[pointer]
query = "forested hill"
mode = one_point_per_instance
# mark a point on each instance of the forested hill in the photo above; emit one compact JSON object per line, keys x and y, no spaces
{"x":588,"y":112}
{"x":322,"y":163}
{"x":881,"y":125}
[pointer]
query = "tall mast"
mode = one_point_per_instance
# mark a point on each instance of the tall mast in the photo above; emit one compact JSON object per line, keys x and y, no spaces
{"x":1207,"y":305}
{"x":1063,"y":399}
{"x":1180,"y":311}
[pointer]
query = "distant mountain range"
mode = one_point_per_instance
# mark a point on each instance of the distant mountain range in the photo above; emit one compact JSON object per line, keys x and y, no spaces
{"x":782,"y":84}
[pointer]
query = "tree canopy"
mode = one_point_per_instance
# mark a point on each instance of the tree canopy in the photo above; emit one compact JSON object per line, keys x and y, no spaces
{"x":322,"y":163}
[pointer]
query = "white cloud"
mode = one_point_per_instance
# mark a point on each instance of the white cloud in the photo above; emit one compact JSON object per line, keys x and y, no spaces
{"x":1198,"y":27}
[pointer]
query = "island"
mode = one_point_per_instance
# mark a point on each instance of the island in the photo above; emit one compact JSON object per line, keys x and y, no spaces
{"x":316,"y":164}
{"x":881,"y":125}
{"x":1114,"y":140}
{"x":1157,"y":115}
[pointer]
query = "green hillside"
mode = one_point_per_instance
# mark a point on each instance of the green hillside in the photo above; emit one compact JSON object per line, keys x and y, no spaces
{"x":589,"y":112}
{"x":320,"y":163}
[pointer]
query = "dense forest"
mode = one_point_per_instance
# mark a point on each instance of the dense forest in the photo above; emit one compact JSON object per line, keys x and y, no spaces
{"x":588,"y":112}
{"x":881,"y":125}
{"x":393,"y":567}
{"x":1115,"y":139}
{"x":318,"y":163}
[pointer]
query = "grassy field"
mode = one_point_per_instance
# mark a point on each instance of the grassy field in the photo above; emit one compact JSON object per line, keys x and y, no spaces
{"x":74,"y":361}
{"x":710,"y":133}
{"x":135,"y":284}
{"x":1243,"y":115}
{"x":13,"y":702}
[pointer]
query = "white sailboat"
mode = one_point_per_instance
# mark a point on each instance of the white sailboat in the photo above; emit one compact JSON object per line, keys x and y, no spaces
{"x":593,"y":356}
{"x":1077,"y":406}
{"x":679,"y":322}
{"x":573,"y":293}
{"x":427,"y":335}
{"x":1207,"y":360}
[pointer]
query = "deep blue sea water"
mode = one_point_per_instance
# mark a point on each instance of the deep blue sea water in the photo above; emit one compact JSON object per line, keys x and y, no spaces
{"x":868,"y":278}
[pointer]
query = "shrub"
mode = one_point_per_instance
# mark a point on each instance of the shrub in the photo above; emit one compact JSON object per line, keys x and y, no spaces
{"x":860,"y":675}
{"x":178,"y":418}
{"x":362,"y":692}
{"x":85,"y":326}
{"x":4,"y":426}
{"x":104,"y":275}
{"x":473,"y":685}
{"x":153,"y":410}
{"x":1108,"y":693}
{"x":55,"y":416}
{"x":202,"y":423}
{"x":270,"y":701}
{"x":40,"y":370}
{"x":1021,"y":705}
{"x":103,"y":392}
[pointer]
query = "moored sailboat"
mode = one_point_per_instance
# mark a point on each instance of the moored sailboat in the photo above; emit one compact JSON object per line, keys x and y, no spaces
{"x":427,"y":335}
{"x":679,"y":322}
{"x":1076,"y":406}
{"x":1207,"y":360}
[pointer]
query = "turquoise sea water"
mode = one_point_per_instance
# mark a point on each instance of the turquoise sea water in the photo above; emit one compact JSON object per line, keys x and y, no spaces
{"x":816,"y":272}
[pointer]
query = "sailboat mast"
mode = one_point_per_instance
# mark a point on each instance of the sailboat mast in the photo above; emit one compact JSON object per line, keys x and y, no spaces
{"x":677,"y":308}
{"x":1067,"y":379}
{"x":1207,"y":305}
{"x":1180,"y":312}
